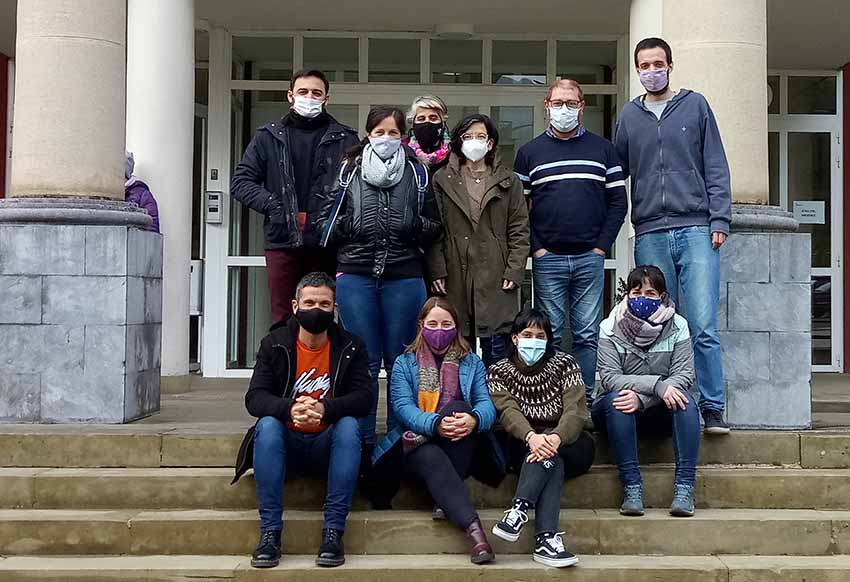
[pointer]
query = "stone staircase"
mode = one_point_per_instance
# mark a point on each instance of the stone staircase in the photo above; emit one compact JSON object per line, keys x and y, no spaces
{"x":142,"y":504}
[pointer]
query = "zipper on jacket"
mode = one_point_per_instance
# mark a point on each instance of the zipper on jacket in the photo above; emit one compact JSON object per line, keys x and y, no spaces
{"x":339,"y":365}
{"x":661,"y":161}
{"x":288,"y":365}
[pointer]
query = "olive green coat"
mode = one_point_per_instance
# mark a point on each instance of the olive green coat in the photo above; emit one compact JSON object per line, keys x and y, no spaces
{"x":474,"y":259}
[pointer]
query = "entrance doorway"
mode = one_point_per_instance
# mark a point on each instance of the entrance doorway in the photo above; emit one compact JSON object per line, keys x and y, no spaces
{"x":504,"y":77}
{"x":804,"y":140}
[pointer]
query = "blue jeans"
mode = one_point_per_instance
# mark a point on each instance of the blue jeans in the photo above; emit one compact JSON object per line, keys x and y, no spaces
{"x":383,"y":313}
{"x":689,"y":263}
{"x":334,"y":453}
{"x":576,"y":281}
{"x":622,"y":432}
{"x":493,"y":348}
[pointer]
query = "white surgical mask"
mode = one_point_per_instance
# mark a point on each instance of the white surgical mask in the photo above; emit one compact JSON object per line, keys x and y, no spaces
{"x":385,"y":146}
{"x":531,"y":349}
{"x":474,"y":149}
{"x":308,"y":107}
{"x":563,"y":118}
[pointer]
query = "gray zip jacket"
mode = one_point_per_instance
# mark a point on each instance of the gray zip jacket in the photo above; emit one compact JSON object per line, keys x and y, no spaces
{"x":667,"y":362}
{"x":680,"y":176}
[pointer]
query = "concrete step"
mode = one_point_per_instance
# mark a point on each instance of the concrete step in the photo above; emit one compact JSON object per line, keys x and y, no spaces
{"x":710,"y":532}
{"x":208,"y":488}
{"x":137,"y":446}
{"x":424,"y":568}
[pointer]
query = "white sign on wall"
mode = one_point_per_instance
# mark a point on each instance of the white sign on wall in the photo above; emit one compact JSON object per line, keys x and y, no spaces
{"x":810,"y":212}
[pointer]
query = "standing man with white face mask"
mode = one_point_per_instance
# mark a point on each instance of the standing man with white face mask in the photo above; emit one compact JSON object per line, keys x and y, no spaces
{"x":286,"y":170}
{"x":577,"y":196}
{"x":670,"y":145}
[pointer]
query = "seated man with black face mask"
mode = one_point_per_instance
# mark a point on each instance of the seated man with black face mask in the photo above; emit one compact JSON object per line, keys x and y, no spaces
{"x":311,"y":383}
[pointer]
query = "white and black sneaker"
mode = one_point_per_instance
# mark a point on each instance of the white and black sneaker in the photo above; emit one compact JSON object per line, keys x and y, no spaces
{"x":511,"y":524}
{"x":549,"y":550}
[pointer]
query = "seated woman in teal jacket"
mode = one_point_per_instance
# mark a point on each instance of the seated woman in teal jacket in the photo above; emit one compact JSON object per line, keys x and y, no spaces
{"x":440,"y":399}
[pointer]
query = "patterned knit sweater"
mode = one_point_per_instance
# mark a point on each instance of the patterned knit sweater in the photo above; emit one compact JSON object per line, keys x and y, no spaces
{"x":546,"y":397}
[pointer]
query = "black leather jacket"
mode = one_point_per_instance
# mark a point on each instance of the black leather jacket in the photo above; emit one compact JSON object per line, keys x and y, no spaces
{"x":264,"y":181}
{"x":382,"y":232}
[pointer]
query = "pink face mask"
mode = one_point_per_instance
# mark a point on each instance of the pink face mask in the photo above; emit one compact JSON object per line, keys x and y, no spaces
{"x":654,"y":81}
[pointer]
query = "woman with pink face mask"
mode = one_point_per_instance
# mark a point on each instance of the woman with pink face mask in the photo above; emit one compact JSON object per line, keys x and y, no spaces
{"x":443,"y":410}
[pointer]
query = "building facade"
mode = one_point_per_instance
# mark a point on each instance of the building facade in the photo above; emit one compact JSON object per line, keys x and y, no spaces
{"x":202,"y":76}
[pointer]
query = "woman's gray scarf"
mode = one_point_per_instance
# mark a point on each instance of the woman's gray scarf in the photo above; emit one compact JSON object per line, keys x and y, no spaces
{"x":643,"y":333}
{"x":380,"y":173}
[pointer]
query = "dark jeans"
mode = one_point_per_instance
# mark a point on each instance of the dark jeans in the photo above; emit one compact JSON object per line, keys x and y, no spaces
{"x":540,"y":483}
{"x":286,"y":267}
{"x":493,"y":348}
{"x":573,"y":283}
{"x":334,"y":453}
{"x":443,"y":466}
{"x":381,"y":312}
{"x":623,"y":428}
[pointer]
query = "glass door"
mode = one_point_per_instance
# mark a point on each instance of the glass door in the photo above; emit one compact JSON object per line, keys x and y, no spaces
{"x":249,"y":77}
{"x":805,"y":178}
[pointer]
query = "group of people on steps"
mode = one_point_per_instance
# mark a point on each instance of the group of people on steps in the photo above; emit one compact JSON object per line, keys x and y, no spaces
{"x":406,"y":249}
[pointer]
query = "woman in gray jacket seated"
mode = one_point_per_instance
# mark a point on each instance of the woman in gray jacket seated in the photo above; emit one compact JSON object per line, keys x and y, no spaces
{"x":646,"y":366}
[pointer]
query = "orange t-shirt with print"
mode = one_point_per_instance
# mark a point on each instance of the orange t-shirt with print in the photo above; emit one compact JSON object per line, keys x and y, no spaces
{"x":312,"y":378}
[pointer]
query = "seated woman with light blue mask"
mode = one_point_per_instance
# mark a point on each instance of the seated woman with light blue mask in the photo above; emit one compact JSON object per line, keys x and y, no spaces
{"x":539,"y":396}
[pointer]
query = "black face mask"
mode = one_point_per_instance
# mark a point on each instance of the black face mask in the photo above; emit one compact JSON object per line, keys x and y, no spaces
{"x":314,"y":320}
{"x":429,"y":135}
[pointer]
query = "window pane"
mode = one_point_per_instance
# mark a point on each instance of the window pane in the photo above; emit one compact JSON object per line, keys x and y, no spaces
{"x":773,"y":166}
{"x":456,"y":61}
{"x":600,"y":114}
{"x":516,"y":127}
{"x":822,"y":320}
{"x":519,"y":62}
{"x":587,"y":62}
{"x":813,"y":95}
{"x":338,"y":58}
{"x":393,"y":60}
{"x":809,"y":178}
{"x":253,"y":54}
{"x":773,"y":89}
{"x":345,"y":114}
{"x":248,"y":314}
{"x":458,"y":112}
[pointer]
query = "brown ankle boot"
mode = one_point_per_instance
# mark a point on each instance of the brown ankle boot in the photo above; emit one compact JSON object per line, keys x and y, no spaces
{"x":480,"y":552}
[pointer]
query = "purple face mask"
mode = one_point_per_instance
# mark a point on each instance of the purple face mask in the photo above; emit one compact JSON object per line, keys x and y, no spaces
{"x":654,"y":81}
{"x":439,"y":339}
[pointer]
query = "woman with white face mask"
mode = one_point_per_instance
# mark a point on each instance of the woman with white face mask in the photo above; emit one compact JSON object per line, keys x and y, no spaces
{"x":479,"y":263}
{"x":539,"y":397}
{"x":381,"y":218}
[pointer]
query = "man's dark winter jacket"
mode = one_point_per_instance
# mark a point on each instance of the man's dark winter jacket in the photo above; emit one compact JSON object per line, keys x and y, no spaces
{"x":270,"y":391}
{"x":264,"y":180}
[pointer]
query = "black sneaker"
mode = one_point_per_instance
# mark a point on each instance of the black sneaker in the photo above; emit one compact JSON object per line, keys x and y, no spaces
{"x":438,"y":514}
{"x":549,"y":550}
{"x":331,"y":552}
{"x":267,"y":553}
{"x":714,"y":423}
{"x":510,"y":526}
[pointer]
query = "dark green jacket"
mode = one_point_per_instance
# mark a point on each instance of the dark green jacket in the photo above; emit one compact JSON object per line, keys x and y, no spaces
{"x":475,"y":259}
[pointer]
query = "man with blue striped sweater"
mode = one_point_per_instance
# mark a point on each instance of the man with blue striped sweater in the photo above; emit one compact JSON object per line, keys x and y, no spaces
{"x":577,"y":197}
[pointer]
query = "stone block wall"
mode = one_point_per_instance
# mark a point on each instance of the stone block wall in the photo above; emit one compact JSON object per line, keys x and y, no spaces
{"x":80,"y":323}
{"x":765,"y":329}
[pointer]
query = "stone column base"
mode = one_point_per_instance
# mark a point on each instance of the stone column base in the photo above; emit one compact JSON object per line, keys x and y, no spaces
{"x":765,"y":320}
{"x":80,"y":313}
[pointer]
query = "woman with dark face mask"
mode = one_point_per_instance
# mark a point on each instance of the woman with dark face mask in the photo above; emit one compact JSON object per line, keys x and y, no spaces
{"x":429,"y":135}
{"x":381,"y":218}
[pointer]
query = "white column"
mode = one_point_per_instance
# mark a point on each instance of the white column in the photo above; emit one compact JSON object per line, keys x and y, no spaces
{"x":160,"y":122}
{"x":645,"y":20}
{"x":719,"y":50}
{"x":70,"y":99}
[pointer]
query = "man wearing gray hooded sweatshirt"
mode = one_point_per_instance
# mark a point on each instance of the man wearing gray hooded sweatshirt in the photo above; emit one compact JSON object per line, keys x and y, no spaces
{"x":670,"y":145}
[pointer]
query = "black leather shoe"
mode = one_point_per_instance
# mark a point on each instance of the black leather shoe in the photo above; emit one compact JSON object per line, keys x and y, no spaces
{"x":331,"y":552}
{"x":267,"y":553}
